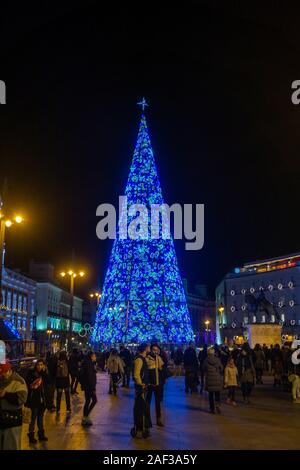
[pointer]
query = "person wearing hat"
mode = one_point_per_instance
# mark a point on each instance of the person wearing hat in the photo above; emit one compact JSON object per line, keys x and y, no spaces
{"x":13,"y":395}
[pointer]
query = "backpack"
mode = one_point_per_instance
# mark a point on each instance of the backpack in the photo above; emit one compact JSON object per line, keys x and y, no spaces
{"x":62,"y":369}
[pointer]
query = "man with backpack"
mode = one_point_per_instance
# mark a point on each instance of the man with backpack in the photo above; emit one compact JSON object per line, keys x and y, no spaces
{"x":62,"y":381}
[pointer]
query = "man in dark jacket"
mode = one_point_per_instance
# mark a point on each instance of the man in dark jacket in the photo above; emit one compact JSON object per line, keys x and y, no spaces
{"x":213,"y":370}
{"x":191,"y":365}
{"x":88,"y":381}
{"x":37,"y":380}
{"x":13,"y":395}
{"x":125,"y":355}
{"x":74,"y":370}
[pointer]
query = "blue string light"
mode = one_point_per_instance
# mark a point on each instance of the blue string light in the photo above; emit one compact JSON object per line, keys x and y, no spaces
{"x":143,"y":297}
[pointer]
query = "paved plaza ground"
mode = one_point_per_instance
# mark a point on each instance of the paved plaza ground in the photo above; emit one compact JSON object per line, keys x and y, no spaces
{"x":271,"y":421}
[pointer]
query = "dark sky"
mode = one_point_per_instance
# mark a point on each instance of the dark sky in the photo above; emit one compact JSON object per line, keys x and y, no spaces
{"x":223,"y":128}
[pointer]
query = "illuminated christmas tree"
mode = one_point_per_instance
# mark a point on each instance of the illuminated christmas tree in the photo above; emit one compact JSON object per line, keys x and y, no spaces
{"x":143,"y":297}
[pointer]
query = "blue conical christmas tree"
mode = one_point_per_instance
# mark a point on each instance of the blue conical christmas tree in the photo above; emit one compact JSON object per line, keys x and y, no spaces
{"x":143,"y":297}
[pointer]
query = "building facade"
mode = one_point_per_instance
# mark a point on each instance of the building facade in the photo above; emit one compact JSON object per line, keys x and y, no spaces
{"x":263,"y":296}
{"x":58,"y":313}
{"x":202,"y":313}
{"x":19,"y":302}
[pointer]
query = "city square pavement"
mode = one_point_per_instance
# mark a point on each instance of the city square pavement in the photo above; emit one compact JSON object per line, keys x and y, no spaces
{"x":271,"y":421}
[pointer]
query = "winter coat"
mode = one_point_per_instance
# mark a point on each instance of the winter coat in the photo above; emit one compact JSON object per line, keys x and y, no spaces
{"x":12,"y":402}
{"x":230,"y":376}
{"x":213,"y":370}
{"x":62,"y":379}
{"x":36,"y":395}
{"x":178,"y":357}
{"x":259,"y":357}
{"x":190,"y":360}
{"x":246,"y":369}
{"x":74,"y":365}
{"x":88,"y":375}
{"x":115,"y":364}
{"x":155,"y":366}
{"x":126,"y":357}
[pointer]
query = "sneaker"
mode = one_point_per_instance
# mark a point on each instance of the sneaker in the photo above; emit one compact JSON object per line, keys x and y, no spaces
{"x":233,"y":403}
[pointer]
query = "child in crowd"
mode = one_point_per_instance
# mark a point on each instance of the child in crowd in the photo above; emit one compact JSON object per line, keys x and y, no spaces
{"x":230,"y":381}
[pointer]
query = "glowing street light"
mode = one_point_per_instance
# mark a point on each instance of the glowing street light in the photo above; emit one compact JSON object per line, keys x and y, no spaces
{"x":96,"y":295}
{"x":207,"y":322}
{"x":72,"y":274}
{"x":5,"y":222}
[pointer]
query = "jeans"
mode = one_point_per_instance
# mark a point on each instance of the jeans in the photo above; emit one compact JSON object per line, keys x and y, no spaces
{"x":126,"y":377}
{"x":231,"y":393}
{"x":59,"y":395}
{"x":74,"y":383}
{"x":37,"y":415}
{"x":246,"y":389}
{"x":214,"y":399}
{"x":113,"y":380}
{"x":158,"y":398}
{"x":90,"y":402}
{"x":10,"y":438}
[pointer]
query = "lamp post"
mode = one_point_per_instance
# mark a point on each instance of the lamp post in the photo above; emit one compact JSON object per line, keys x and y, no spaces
{"x":5,"y":223}
{"x":72,"y":274}
{"x":221,"y":311}
{"x":207,"y":322}
{"x":97,"y":296}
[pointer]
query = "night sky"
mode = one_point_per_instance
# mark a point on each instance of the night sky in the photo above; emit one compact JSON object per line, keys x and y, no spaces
{"x":223,"y":128}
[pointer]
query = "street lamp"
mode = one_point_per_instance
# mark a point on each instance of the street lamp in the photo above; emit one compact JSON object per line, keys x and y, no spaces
{"x":207,"y":322}
{"x":5,"y":223}
{"x":72,"y":274}
{"x":97,"y":296}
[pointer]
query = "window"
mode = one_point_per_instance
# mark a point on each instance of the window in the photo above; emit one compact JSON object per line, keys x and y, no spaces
{"x":263,"y":318}
{"x":272,"y":318}
{"x":254,"y":319}
{"x":245,"y":320}
{"x":282,"y":317}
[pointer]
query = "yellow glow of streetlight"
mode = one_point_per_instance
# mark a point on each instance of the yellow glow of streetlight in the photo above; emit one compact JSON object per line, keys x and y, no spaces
{"x":207,"y":322}
{"x":70,"y":272}
{"x":81,"y":273}
{"x":8,"y":223}
{"x":62,"y":274}
{"x":19,"y":219}
{"x":92,"y":295}
{"x":74,"y":275}
{"x":221,"y":309}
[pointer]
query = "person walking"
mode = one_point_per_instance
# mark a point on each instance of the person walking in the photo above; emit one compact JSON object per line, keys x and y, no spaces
{"x":213,"y":373}
{"x":230,"y":381}
{"x":126,"y":357}
{"x":51,"y":364}
{"x":13,"y":395}
{"x":141,"y":410}
{"x":191,"y":365}
{"x":156,"y":380}
{"x":201,"y":358}
{"x":246,"y":373}
{"x":178,"y":361}
{"x":88,"y":382}
{"x":115,"y":366}
{"x":37,"y":380}
{"x":74,"y":370}
{"x":62,"y":382}
{"x":259,"y":361}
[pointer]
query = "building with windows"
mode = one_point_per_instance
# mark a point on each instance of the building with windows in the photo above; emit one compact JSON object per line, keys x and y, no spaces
{"x":202,"y":313}
{"x":19,"y":302}
{"x":260,"y":301}
{"x":58,"y":313}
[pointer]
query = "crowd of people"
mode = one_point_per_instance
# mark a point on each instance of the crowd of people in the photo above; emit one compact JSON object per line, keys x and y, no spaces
{"x":54,"y":379}
{"x":230,"y":366}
